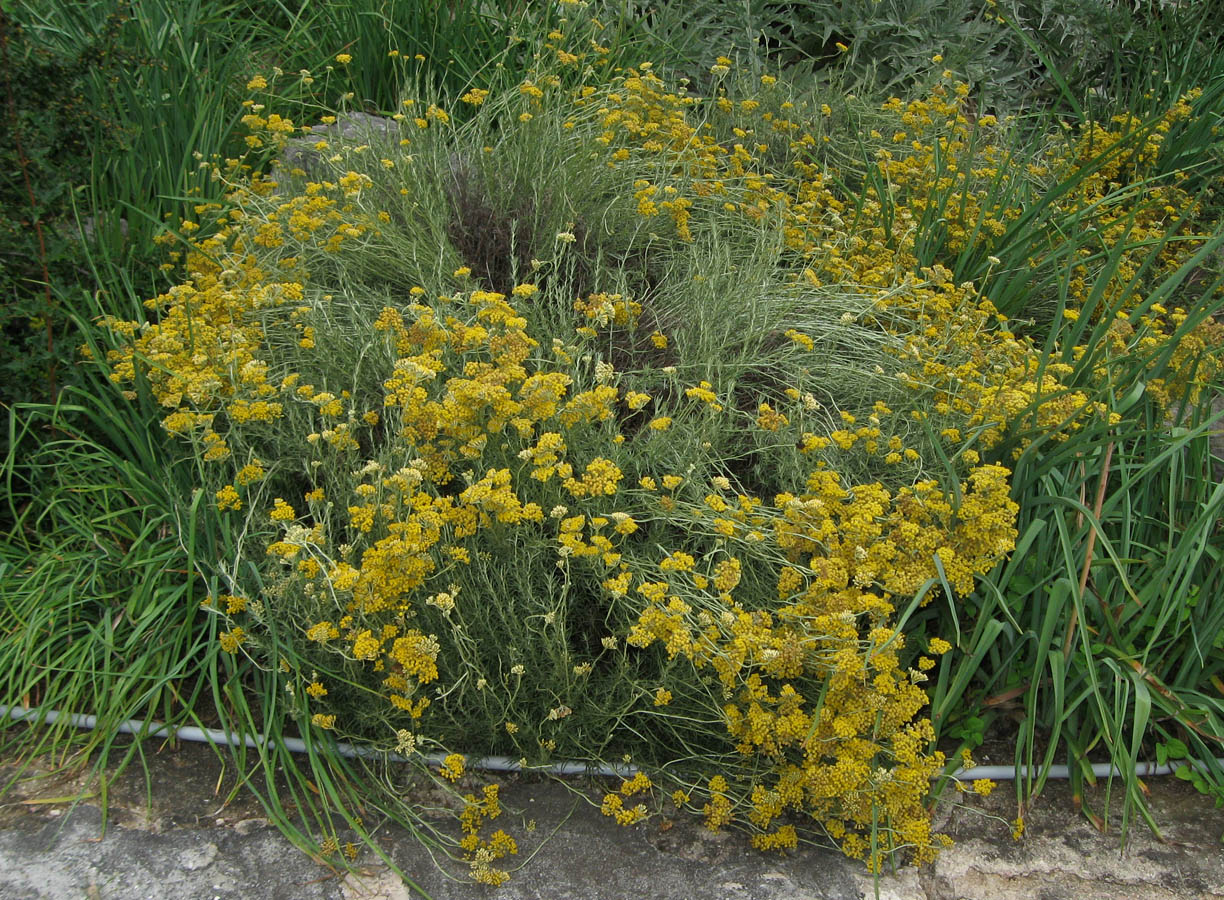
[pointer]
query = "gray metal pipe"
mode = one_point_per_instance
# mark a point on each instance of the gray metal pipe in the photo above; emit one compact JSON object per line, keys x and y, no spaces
{"x":503,"y":763}
{"x":297,"y":745}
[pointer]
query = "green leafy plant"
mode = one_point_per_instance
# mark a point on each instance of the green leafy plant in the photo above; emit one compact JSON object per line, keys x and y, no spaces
{"x":100,"y":595}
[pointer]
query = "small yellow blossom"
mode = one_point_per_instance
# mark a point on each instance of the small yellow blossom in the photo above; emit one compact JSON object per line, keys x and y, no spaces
{"x":452,"y":767}
{"x":282,"y":511}
{"x":232,"y":640}
{"x":227,"y":498}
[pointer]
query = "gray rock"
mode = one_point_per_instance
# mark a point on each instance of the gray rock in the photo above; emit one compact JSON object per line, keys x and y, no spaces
{"x":201,"y":857}
{"x":357,"y":127}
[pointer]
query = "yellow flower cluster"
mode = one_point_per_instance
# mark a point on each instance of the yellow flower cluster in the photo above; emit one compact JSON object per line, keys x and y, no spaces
{"x":480,"y":852}
{"x":452,"y":767}
{"x":609,"y":310}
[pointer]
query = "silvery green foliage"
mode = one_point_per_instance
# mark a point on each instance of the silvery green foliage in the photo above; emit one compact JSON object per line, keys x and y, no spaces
{"x":1013,"y":52}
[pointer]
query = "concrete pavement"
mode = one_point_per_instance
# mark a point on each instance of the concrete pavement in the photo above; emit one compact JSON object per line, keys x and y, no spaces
{"x":190,"y":844}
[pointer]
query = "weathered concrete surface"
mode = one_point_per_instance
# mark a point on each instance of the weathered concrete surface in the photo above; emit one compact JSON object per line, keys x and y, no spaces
{"x":189,"y":843}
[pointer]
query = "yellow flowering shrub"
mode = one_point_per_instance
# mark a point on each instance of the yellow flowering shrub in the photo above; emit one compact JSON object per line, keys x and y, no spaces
{"x":574,"y":512}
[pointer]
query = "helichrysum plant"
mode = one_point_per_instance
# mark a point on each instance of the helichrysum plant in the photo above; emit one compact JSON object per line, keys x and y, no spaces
{"x":595,"y":418}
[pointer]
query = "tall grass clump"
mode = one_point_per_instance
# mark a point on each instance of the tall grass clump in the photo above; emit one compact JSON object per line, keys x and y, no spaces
{"x":1103,"y":639}
{"x":101,"y":598}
